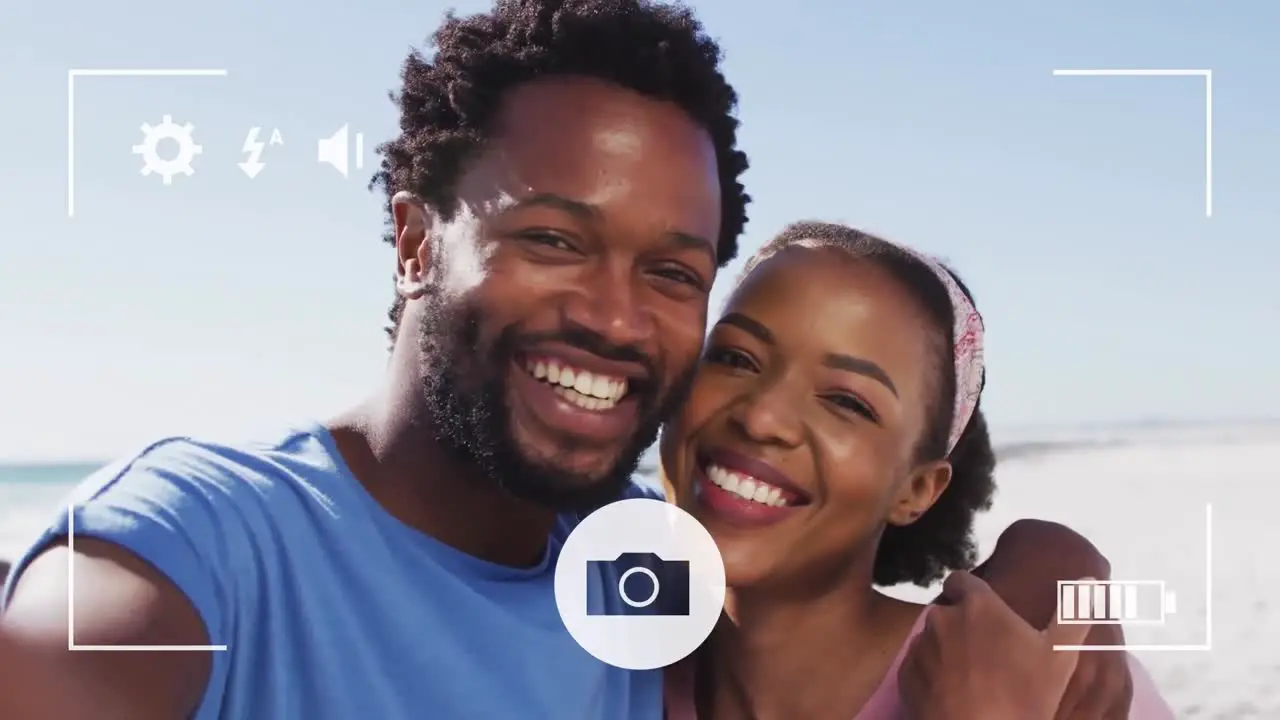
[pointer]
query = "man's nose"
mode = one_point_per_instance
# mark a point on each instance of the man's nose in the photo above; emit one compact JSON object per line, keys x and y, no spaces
{"x":612,"y":306}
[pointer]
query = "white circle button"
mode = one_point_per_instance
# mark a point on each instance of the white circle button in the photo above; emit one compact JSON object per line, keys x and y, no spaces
{"x":640,"y":584}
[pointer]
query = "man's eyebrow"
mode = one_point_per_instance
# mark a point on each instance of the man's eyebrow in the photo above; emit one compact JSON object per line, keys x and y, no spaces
{"x":685,"y":241}
{"x":577,"y":208}
{"x":588,"y":212}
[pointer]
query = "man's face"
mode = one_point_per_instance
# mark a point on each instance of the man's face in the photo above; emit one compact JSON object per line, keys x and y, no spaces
{"x":561,"y":311}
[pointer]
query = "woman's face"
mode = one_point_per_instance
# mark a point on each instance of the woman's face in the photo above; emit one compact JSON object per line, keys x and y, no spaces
{"x":795,"y":447}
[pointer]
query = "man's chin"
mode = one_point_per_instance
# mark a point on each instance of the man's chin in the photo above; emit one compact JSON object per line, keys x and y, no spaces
{"x":572,"y":481}
{"x":569,"y":497}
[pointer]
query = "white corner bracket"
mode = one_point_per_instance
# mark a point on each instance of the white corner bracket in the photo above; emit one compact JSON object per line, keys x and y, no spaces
{"x":1206,"y":646}
{"x":71,"y":607}
{"x":103,"y":72}
{"x":1208,"y":111}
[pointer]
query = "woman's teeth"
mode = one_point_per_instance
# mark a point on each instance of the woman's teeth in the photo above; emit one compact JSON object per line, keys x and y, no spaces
{"x":746,"y":487}
{"x":585,"y":389}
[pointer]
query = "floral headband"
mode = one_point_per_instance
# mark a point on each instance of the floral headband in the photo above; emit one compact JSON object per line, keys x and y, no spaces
{"x":970,"y":366}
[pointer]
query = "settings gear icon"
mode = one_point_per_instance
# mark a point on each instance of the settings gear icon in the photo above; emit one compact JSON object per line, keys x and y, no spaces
{"x":181,"y":162}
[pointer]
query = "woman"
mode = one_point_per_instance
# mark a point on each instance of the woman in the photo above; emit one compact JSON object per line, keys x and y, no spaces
{"x":832,"y":442}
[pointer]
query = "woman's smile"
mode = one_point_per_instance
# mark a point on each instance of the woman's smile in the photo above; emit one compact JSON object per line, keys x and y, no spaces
{"x":742,"y":490}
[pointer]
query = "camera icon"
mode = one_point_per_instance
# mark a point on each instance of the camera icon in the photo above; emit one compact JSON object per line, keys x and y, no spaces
{"x":646,"y":583}
{"x":639,"y":584}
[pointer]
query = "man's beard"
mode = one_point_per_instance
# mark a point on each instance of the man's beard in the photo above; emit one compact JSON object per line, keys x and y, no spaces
{"x":466,"y":393}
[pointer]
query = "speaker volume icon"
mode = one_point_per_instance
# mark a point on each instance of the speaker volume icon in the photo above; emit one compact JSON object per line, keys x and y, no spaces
{"x":335,"y":149}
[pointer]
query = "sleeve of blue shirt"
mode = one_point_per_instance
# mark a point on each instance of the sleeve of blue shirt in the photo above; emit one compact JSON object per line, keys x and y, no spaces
{"x":170,"y":505}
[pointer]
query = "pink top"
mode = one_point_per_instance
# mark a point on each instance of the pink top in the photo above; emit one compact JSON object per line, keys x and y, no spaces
{"x":884,"y":703}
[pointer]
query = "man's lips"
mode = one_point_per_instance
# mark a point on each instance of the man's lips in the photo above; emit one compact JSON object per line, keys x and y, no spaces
{"x":596,"y":408}
{"x":570,"y":356}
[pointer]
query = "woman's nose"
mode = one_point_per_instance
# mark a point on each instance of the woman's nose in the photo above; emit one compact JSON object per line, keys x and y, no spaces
{"x":769,"y":416}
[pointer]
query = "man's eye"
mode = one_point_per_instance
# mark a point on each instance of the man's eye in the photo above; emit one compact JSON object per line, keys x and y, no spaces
{"x":681,"y":276}
{"x":550,"y":240}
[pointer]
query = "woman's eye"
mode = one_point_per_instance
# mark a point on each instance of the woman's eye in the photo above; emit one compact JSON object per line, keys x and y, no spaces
{"x":852,"y":404}
{"x":730,"y":357}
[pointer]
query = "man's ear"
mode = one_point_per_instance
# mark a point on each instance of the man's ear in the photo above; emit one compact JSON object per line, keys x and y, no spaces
{"x":920,"y":492}
{"x":413,"y":251}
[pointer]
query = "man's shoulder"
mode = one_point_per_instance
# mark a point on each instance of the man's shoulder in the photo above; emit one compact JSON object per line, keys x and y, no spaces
{"x":212,"y":468}
{"x":198,"y":490}
{"x":181,"y":503}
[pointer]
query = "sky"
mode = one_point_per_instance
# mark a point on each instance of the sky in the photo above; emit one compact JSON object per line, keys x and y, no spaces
{"x":1073,"y":206}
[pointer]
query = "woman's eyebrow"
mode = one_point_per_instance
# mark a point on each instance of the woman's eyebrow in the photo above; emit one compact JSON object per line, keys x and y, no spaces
{"x":749,"y":326}
{"x":861,"y":366}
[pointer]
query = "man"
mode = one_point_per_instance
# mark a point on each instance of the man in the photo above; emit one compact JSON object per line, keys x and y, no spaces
{"x":564,"y":187}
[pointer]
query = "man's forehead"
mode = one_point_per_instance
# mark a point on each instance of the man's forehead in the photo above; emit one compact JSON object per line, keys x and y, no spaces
{"x":573,"y":107}
{"x":579,"y":136}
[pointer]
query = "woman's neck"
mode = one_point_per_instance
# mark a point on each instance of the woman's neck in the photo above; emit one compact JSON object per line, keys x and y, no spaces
{"x":815,"y":657}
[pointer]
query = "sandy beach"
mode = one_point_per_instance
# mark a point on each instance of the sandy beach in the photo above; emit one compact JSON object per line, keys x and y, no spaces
{"x":1142,"y":498}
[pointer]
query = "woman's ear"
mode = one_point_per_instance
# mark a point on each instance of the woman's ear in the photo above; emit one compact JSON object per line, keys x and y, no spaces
{"x":921,"y":490}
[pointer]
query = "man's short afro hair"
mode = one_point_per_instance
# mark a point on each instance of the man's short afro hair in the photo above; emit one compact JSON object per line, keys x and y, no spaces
{"x":448,"y":102}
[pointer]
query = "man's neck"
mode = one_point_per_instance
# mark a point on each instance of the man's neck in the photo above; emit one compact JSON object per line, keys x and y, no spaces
{"x":394,"y":453}
{"x":835,"y":645}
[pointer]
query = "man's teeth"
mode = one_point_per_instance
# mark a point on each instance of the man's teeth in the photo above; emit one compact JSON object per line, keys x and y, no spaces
{"x":746,"y":487}
{"x":580,"y":387}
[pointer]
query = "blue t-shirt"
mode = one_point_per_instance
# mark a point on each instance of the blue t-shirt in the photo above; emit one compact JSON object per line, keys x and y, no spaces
{"x":332,"y":609}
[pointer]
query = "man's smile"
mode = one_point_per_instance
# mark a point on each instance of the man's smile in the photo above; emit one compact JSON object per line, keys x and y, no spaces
{"x":598,"y":408}
{"x":587,"y":390}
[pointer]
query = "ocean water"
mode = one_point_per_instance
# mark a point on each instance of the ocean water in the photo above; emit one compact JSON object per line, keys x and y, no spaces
{"x":29,"y":497}
{"x":1185,"y":505}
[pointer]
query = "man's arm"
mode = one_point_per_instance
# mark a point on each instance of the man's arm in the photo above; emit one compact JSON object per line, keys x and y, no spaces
{"x":1029,"y":559}
{"x":119,"y":600}
{"x":157,"y":536}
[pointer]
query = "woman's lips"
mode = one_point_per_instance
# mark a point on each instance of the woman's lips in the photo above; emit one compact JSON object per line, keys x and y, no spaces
{"x":735,"y":509}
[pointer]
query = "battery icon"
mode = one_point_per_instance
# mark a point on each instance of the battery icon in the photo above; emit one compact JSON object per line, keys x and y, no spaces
{"x":1115,"y":602}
